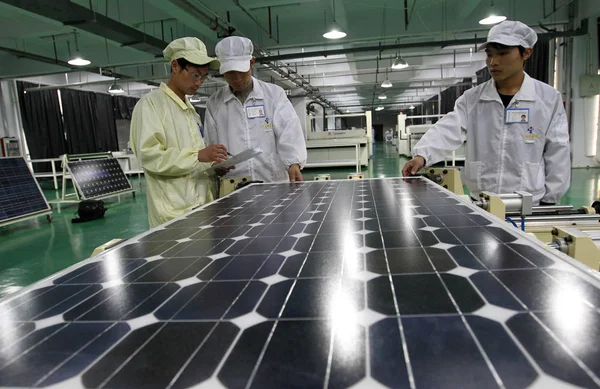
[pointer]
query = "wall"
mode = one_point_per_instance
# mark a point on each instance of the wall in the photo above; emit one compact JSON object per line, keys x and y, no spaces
{"x":583,"y":115}
{"x":10,"y":116}
{"x":299,"y":104}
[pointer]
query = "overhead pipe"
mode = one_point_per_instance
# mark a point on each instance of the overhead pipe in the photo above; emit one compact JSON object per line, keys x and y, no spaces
{"x":237,"y":2}
{"x":300,"y":81}
{"x":469,"y":41}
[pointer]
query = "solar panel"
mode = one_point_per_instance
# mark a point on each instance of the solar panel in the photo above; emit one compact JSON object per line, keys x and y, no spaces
{"x":98,"y":177}
{"x":374,"y":283}
{"x":20,"y":194}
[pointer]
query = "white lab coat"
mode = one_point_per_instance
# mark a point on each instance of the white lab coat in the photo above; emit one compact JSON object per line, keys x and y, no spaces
{"x":503,"y":158}
{"x":278,"y":134}
{"x":165,"y":137}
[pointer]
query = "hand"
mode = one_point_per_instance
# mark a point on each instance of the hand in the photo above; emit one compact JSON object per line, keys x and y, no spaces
{"x":213,"y":153}
{"x":294,"y":173}
{"x":413,"y":166}
{"x":222,"y":171}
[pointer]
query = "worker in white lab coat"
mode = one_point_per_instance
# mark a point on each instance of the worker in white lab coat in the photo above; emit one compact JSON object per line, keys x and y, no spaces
{"x":515,"y":127}
{"x":166,"y":138}
{"x":249,"y":113}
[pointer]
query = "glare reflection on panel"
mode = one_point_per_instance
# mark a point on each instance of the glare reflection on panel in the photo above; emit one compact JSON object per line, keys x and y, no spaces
{"x":352,"y":262}
{"x":344,"y":315}
{"x":568,"y":308}
{"x":7,"y":325}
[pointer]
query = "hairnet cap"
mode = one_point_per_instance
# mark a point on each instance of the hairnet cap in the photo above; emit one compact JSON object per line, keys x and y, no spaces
{"x":190,"y":49}
{"x":234,"y":53}
{"x":511,"y":33}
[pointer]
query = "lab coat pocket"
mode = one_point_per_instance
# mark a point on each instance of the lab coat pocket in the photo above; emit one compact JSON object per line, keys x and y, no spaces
{"x":532,"y":179}
{"x":472,"y":176}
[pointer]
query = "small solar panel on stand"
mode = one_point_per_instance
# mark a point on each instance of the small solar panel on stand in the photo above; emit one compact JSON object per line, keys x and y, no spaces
{"x":21,"y":197}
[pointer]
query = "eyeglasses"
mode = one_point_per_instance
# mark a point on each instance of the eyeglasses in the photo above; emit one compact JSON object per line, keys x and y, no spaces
{"x":197,"y":77}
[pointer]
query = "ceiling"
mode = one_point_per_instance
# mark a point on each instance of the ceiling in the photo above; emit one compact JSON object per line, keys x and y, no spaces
{"x":124,"y":40}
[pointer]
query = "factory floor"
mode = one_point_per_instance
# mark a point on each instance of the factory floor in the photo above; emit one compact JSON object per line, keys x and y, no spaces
{"x":34,"y":249}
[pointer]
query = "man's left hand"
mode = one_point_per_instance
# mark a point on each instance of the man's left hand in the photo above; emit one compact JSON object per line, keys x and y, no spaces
{"x":294,"y":173}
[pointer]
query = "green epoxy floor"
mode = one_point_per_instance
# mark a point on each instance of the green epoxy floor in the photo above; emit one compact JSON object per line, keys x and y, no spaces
{"x":34,"y":249}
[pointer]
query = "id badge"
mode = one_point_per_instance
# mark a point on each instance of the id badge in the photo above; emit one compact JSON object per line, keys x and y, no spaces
{"x":517,"y":115}
{"x":255,"y":111}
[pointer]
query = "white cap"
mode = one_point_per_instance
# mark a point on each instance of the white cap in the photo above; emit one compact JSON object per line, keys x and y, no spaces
{"x":511,"y":33}
{"x":234,"y":53}
{"x":190,"y":49}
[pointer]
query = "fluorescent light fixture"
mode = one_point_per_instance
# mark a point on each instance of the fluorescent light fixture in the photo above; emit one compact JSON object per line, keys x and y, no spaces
{"x":386,"y":84}
{"x":399,"y":63}
{"x":115,"y":89}
{"x":335,"y":32}
{"x":380,"y":108}
{"x":492,"y":19}
{"x":79,"y":61}
{"x":411,"y":107}
{"x":382,"y":96}
{"x":195,"y":99}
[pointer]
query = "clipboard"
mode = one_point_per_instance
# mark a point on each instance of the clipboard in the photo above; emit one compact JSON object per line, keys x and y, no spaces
{"x":235,"y":160}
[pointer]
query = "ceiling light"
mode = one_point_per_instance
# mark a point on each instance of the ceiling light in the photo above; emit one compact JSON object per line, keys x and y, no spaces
{"x":493,"y":17}
{"x":115,"y":89}
{"x":79,"y":61}
{"x":411,"y":107}
{"x":195,"y":99}
{"x":386,"y":84}
{"x":382,"y":96}
{"x":399,"y":63}
{"x":380,"y":108}
{"x":335,"y":32}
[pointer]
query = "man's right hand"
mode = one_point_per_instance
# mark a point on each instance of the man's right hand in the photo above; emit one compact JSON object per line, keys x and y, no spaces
{"x":213,"y":153}
{"x":413,"y":166}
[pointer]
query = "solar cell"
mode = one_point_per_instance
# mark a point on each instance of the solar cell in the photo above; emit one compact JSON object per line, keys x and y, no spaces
{"x":20,"y":195}
{"x":314,"y":284}
{"x":98,"y":177}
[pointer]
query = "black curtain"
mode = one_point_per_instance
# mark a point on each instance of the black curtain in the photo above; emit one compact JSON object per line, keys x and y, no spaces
{"x":42,"y":123}
{"x":538,"y":64}
{"x":451,"y":94}
{"x":483,"y":75}
{"x":123,"y":106}
{"x":89,"y":122}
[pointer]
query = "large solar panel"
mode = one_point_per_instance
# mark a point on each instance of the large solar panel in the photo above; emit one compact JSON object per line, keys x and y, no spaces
{"x":374,"y":283}
{"x":20,"y":195}
{"x":98,"y":177}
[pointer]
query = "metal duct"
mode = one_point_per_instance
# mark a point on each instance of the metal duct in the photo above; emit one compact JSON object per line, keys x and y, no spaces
{"x":456,"y":42}
{"x":72,"y":14}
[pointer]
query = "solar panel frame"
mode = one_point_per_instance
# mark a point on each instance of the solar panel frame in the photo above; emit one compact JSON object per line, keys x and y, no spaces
{"x":114,"y":176}
{"x":297,"y":322}
{"x":46,"y":210}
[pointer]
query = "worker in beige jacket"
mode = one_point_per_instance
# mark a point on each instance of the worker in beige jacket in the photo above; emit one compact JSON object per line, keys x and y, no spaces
{"x":166,"y":138}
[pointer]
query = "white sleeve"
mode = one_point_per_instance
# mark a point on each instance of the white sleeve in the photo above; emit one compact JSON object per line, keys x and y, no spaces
{"x":557,"y":155}
{"x":291,"y":145}
{"x":447,"y":135}
{"x":210,"y":124}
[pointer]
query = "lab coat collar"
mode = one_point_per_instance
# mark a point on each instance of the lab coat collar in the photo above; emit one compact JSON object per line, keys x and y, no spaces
{"x":526,"y":93}
{"x":183,"y":105}
{"x":257,"y":92}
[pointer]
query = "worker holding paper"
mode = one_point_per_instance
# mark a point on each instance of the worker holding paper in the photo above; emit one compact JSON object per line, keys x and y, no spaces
{"x":166,"y":138}
{"x":251,"y":114}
